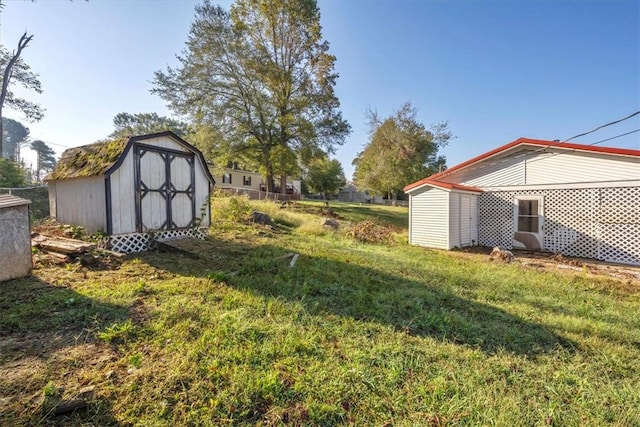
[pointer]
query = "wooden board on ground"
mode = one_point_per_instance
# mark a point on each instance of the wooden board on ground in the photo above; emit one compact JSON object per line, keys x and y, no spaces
{"x":62,"y":245}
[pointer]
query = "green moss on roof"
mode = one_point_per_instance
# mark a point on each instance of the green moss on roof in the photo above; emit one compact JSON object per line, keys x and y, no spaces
{"x":88,"y":160}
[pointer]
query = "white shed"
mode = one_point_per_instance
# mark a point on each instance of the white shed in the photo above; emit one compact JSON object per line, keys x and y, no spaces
{"x":574,"y":199}
{"x":134,"y":185}
{"x":452,"y":212}
{"x":15,"y":237}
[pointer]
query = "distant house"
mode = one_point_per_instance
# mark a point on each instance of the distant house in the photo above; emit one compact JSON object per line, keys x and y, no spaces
{"x":15,"y":237}
{"x":578,"y":200}
{"x":132,"y":186}
{"x":253,"y":184}
{"x":351,"y":194}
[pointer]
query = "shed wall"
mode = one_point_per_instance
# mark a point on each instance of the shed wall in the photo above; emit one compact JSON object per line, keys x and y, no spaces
{"x":429,"y":218}
{"x":15,"y":242}
{"x":81,"y":201}
{"x":598,"y":223}
{"x":121,"y":182}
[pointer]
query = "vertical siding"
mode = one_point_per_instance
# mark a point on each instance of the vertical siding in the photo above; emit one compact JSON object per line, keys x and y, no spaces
{"x":52,"y":198}
{"x":165,"y":142}
{"x":430,"y":218}
{"x":15,"y":242}
{"x":202,"y":195}
{"x":123,"y":213}
{"x":82,"y":202}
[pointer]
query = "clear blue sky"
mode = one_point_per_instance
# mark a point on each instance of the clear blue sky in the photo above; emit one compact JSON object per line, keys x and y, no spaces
{"x":496,"y":70}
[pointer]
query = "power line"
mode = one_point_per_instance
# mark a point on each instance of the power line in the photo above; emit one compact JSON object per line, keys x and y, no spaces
{"x":614,"y":137}
{"x":603,"y":126}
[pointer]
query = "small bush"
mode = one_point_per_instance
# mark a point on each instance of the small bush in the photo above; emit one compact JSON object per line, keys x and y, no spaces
{"x":372,"y":232}
{"x":232,"y":210}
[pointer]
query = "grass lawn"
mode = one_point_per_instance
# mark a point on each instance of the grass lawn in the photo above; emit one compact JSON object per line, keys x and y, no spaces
{"x":353,"y":334}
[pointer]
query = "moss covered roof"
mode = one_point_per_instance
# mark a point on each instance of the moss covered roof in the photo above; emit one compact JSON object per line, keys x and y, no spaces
{"x":88,"y":160}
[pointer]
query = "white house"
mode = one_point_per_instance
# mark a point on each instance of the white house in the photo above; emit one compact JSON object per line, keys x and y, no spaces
{"x":239,"y":181}
{"x":132,"y":186}
{"x":574,"y":199}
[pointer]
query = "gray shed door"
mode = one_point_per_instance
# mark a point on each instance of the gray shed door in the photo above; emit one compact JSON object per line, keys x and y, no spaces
{"x":165,"y":189}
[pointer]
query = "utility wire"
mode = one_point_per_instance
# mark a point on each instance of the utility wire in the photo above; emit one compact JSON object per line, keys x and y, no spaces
{"x":614,"y":137}
{"x":603,"y":126}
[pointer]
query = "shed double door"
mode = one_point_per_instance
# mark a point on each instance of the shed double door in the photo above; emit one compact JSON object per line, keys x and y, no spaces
{"x":165,"y":189}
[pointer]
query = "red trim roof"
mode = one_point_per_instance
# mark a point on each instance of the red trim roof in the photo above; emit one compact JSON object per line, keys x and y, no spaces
{"x":526,"y":141}
{"x":443,"y":185}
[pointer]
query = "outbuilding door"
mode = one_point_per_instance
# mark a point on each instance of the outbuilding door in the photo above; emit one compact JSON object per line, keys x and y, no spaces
{"x":165,"y":188}
{"x":468,"y":220}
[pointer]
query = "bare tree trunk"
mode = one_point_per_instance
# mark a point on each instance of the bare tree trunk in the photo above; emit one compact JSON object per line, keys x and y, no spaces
{"x":6,"y":76}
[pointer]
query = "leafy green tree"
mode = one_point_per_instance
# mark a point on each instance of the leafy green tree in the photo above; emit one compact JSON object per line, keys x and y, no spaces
{"x":14,"y":70}
{"x":401,"y":150}
{"x":46,"y":158}
{"x":14,"y":136}
{"x":145,"y":123}
{"x":325,"y":176}
{"x":262,"y":76}
{"x":11,"y":174}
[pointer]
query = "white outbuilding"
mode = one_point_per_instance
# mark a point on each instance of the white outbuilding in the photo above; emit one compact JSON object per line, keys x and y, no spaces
{"x":577,"y":200}
{"x":131,"y":187}
{"x":15,"y":237}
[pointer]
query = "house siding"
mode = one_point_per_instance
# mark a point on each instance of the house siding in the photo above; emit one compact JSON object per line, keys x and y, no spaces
{"x":528,"y":167}
{"x":598,"y":223}
{"x":429,"y":221}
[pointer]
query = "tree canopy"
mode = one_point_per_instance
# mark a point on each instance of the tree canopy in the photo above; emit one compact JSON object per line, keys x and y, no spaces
{"x":126,"y":124}
{"x":401,"y":150}
{"x":325,"y":176}
{"x":14,"y":136}
{"x":11,"y":174}
{"x":260,"y":75}
{"x":14,"y":70}
{"x":46,"y":158}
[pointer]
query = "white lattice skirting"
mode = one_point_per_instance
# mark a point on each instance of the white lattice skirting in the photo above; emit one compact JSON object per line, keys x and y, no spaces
{"x":598,"y":223}
{"x":140,"y":242}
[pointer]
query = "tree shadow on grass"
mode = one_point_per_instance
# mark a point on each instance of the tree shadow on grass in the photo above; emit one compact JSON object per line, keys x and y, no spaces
{"x":47,"y":335}
{"x":417,"y":308}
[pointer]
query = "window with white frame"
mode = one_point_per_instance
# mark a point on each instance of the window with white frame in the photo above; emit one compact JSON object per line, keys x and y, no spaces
{"x":226,"y":178}
{"x":246,"y":180}
{"x":528,"y":215}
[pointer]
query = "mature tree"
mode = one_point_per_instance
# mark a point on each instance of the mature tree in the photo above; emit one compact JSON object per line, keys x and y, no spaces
{"x":46,"y":158}
{"x":401,"y":150}
{"x":11,"y":174}
{"x":15,"y":70}
{"x":144,"y":123}
{"x":14,"y":136}
{"x":325,"y":176}
{"x":262,"y":76}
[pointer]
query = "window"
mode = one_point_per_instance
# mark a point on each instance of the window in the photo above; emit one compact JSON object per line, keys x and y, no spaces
{"x":246,"y":180}
{"x":529,"y":215}
{"x":226,"y":178}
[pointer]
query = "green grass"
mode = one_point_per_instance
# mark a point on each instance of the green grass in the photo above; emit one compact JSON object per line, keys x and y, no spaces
{"x":354,"y":334}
